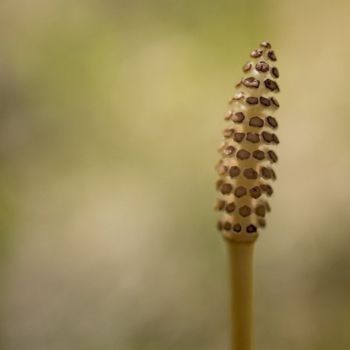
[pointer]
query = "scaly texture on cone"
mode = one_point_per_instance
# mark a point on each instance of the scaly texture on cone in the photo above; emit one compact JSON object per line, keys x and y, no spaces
{"x":247,"y":155}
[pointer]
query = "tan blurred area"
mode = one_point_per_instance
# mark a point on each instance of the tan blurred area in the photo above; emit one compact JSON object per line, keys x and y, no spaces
{"x":111,"y":113}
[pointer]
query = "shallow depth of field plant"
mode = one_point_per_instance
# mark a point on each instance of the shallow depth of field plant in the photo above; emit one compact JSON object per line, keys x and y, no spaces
{"x":111,"y":114}
{"x":245,"y":176}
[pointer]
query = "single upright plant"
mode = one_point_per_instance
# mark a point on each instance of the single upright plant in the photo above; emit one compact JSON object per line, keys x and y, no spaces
{"x":245,"y":176}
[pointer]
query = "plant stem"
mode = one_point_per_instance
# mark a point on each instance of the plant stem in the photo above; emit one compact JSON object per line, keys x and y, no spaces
{"x":241,"y":276}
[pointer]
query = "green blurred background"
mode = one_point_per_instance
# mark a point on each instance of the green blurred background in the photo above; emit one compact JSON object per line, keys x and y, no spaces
{"x":111,"y":112}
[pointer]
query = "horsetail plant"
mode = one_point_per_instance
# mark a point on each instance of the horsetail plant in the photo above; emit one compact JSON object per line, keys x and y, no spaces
{"x":245,"y":174}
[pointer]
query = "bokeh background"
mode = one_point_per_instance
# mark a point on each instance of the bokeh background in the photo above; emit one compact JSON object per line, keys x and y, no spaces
{"x":111,"y":112}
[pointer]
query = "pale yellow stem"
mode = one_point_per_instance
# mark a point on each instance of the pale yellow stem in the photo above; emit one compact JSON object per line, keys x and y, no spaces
{"x":241,"y":275}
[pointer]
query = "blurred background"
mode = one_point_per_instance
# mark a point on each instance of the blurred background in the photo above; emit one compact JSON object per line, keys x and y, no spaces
{"x":111,"y":113}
